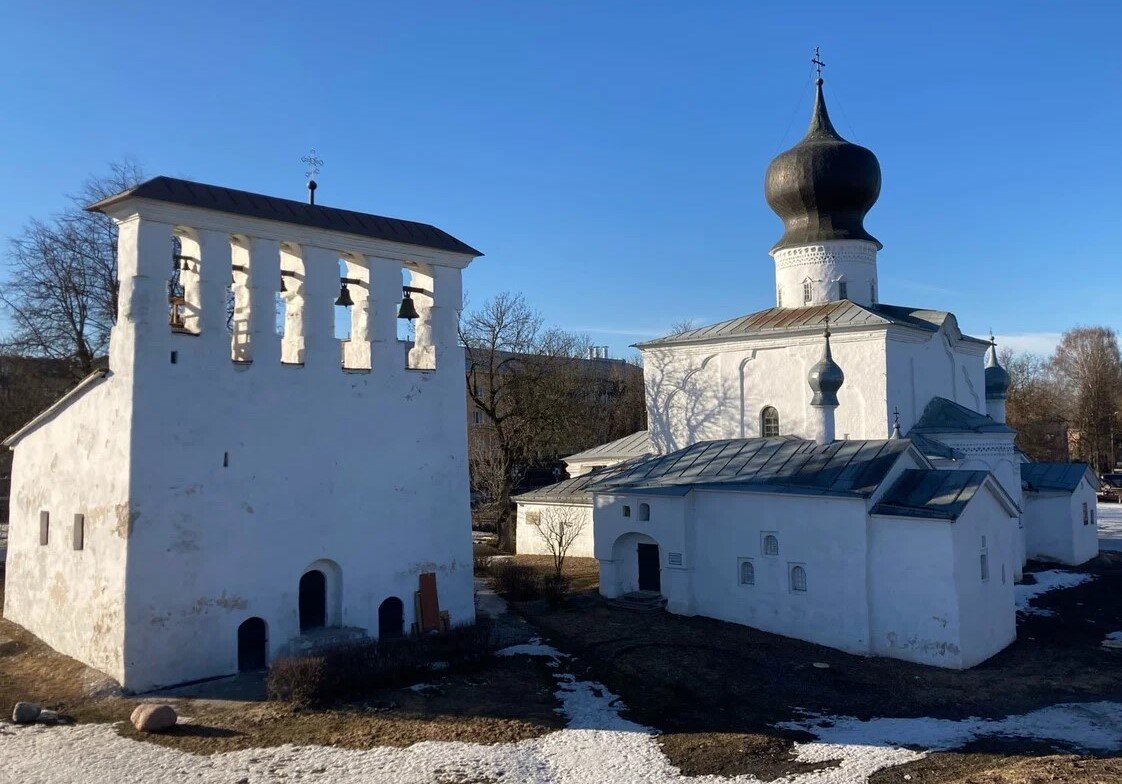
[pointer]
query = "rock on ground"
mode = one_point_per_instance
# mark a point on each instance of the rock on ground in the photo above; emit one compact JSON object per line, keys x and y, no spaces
{"x":152,"y":717}
{"x":25,"y":712}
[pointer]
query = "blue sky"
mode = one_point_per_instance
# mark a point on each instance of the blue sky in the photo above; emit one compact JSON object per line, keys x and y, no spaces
{"x":608,"y":157}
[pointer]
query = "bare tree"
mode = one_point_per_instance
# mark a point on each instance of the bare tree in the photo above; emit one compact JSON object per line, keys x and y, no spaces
{"x":539,"y":395}
{"x":1034,"y":408}
{"x":1087,"y":368}
{"x":61,"y":290}
{"x":682,"y":326}
{"x":558,"y":527}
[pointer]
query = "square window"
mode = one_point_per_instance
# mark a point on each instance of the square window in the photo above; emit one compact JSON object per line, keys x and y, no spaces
{"x":533,"y":518}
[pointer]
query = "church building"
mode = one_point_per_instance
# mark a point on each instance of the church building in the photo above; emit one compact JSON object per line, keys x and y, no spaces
{"x":833,"y":468}
{"x":242,"y":481}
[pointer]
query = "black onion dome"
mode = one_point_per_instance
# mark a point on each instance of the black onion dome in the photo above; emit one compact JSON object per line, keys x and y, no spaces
{"x":823,"y":186}
{"x":997,"y":379}
{"x":825,"y":379}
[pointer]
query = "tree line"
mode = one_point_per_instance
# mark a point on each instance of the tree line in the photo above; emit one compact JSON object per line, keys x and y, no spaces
{"x":1068,"y":405}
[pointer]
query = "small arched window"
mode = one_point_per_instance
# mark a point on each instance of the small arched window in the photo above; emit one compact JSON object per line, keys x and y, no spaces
{"x":771,"y":544}
{"x":747,"y":573}
{"x":644,"y":512}
{"x":798,"y":579}
{"x":769,"y":422}
{"x":806,"y":291}
{"x":626,"y":510}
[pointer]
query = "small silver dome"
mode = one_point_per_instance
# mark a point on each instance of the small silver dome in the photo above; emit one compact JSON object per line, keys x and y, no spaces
{"x":825,"y":378}
{"x":997,"y":379}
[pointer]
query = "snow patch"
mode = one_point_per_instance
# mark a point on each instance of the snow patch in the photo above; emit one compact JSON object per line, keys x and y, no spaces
{"x":597,"y":744}
{"x":1109,"y":519}
{"x":1050,"y":580}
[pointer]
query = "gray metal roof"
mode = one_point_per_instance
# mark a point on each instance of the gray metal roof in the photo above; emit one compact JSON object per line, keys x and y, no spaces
{"x":634,"y":445}
{"x":256,"y":205}
{"x":932,"y":448}
{"x":930,"y":493}
{"x":945,"y":416}
{"x":575,"y":490}
{"x":1057,"y":477}
{"x":841,"y":314}
{"x":772,"y":465}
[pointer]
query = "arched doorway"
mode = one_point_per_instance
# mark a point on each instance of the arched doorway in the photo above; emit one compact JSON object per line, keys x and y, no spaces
{"x":313,"y":600}
{"x":637,"y":563}
{"x":253,"y":644}
{"x":391,"y":619}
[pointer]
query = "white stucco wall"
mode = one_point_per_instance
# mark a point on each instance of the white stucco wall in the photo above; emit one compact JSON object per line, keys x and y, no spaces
{"x":700,"y":393}
{"x":714,"y":531}
{"x":242,"y":476}
{"x":529,"y":541}
{"x":921,"y":366}
{"x":928,"y":602}
{"x":825,"y":536}
{"x":1054,"y":529}
{"x":986,"y":608}
{"x":75,"y":463}
{"x":824,"y":266}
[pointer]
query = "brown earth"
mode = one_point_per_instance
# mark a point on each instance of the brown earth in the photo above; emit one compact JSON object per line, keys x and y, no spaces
{"x":506,"y":700}
{"x":716,"y":689}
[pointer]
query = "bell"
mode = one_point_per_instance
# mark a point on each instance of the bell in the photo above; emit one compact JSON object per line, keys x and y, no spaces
{"x":344,"y":296}
{"x":407,"y":310}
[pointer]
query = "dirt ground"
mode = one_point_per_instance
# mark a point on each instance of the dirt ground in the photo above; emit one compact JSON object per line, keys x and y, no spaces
{"x":716,"y":689}
{"x":507,"y":700}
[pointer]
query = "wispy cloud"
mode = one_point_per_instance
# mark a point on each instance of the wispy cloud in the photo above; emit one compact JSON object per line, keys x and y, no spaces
{"x":1035,"y":342}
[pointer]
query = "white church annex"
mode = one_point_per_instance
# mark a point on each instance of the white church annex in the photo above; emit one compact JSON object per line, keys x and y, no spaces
{"x":240,"y":483}
{"x":834,"y":468}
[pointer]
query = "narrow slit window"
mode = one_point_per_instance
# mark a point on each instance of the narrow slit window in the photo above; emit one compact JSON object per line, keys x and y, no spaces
{"x":843,"y":289}
{"x":79,"y":540}
{"x":806,"y":292}
{"x":1086,"y":514}
{"x":44,"y":528}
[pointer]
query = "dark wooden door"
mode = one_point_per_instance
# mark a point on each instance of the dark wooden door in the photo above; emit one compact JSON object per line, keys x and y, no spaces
{"x":649,"y":572}
{"x":252,"y":645}
{"x":391,"y":619}
{"x":313,"y":600}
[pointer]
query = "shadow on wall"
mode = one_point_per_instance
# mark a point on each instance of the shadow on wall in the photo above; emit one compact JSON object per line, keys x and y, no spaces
{"x":686,"y":400}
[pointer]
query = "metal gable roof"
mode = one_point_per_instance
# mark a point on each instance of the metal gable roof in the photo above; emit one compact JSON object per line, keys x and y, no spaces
{"x":945,"y":416}
{"x":1055,"y":477}
{"x":633,"y":445}
{"x":930,"y":493}
{"x":841,"y":313}
{"x":780,"y":465}
{"x":256,"y":205}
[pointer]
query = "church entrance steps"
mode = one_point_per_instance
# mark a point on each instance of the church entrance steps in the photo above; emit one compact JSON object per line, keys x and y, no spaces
{"x":640,"y":602}
{"x":314,"y":640}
